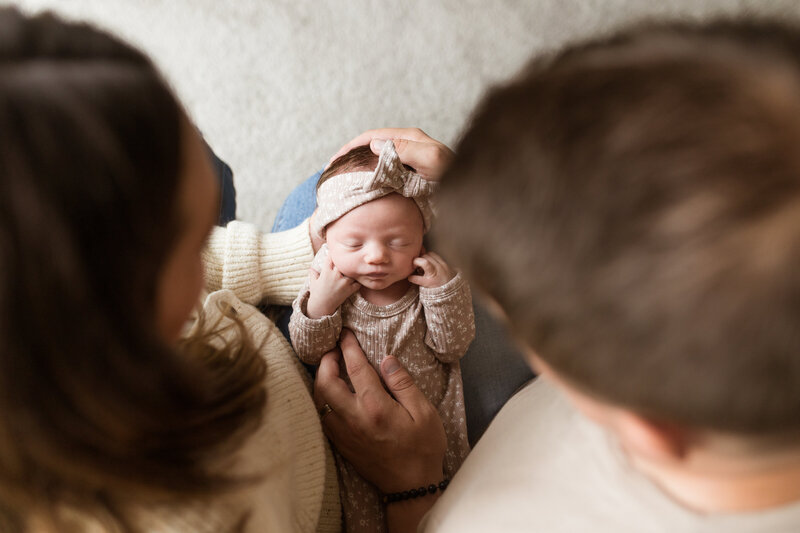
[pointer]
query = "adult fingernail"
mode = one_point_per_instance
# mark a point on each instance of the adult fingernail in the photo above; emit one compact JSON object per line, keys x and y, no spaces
{"x":377,"y":144}
{"x":392,"y":365}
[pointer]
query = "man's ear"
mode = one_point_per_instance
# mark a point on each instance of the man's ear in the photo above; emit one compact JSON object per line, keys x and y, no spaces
{"x":656,"y":440}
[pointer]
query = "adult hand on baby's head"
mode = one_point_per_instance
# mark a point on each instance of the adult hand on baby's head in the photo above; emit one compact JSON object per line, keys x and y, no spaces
{"x":416,"y":149}
{"x":432,"y":271}
{"x":328,"y":288}
{"x":395,"y":443}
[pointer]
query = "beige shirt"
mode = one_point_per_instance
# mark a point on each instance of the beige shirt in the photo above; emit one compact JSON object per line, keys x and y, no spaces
{"x":543,"y":466}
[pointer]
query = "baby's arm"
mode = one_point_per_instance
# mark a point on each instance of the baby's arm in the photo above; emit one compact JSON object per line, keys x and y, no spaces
{"x":316,"y":319}
{"x":447,"y":306}
{"x":313,"y":337}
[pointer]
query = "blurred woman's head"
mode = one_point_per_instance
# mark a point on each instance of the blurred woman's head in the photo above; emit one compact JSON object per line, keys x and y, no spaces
{"x":106,"y":197}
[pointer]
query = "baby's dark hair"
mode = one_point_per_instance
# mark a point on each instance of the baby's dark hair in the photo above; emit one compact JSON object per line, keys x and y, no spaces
{"x":358,"y":159}
{"x":633,"y":203}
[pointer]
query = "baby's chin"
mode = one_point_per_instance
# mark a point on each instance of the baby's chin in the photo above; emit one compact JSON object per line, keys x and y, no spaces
{"x":379,"y":284}
{"x":376,"y":284}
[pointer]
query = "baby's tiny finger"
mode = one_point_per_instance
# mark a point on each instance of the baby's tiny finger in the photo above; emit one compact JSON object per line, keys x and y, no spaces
{"x":430,"y":267}
{"x":436,"y":257}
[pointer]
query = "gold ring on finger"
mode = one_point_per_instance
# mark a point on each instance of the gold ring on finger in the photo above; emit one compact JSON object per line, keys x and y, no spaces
{"x":324,"y":411}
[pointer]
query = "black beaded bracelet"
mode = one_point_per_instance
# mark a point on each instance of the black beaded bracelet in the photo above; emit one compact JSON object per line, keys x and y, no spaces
{"x":415,"y":493}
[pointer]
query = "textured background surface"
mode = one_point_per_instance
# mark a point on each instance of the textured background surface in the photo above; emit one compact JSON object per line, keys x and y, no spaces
{"x":278,"y":85}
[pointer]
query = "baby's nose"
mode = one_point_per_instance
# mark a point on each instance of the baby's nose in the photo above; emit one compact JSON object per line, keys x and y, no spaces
{"x":375,"y":254}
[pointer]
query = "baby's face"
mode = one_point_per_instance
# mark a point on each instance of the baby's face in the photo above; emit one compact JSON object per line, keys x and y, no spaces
{"x":375,"y":243}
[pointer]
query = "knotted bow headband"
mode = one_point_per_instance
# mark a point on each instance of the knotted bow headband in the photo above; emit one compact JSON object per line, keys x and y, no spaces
{"x":344,"y":192}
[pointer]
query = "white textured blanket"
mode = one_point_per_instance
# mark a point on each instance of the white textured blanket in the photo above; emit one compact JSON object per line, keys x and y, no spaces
{"x":278,"y":85}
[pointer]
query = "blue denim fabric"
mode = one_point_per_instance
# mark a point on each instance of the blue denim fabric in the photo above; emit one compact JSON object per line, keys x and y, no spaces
{"x":492,"y":369}
{"x":298,"y":206}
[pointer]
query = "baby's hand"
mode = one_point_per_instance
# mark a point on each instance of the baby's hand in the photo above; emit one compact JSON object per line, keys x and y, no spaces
{"x":328,"y":290}
{"x":431,"y":272}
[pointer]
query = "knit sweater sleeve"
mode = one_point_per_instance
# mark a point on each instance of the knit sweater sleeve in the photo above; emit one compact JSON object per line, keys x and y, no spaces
{"x":257,"y":266}
{"x":449,"y":318}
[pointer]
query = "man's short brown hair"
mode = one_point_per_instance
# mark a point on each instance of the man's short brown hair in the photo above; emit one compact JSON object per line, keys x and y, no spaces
{"x":633,"y":203}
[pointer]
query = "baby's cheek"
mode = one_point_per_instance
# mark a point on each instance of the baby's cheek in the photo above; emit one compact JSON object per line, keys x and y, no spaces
{"x":408,"y":266}
{"x":346,"y":265}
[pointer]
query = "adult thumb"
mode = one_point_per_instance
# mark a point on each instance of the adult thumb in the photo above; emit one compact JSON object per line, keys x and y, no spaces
{"x":401,"y":385}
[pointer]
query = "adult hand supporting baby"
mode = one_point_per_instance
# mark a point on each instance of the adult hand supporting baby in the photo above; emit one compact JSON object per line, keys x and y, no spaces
{"x":416,"y":149}
{"x":397,"y":443}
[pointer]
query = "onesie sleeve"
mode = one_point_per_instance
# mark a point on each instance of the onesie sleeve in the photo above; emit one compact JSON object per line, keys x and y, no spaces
{"x":313,"y":337}
{"x":257,"y":266}
{"x":449,"y":318}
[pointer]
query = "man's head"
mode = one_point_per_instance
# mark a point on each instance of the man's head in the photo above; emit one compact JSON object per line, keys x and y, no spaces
{"x":633,"y":204}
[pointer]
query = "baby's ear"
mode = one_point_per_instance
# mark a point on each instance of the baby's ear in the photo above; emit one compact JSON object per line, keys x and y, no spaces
{"x":317,"y":235}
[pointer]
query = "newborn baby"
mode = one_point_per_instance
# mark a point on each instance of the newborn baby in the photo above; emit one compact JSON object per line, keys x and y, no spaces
{"x":374,"y":277}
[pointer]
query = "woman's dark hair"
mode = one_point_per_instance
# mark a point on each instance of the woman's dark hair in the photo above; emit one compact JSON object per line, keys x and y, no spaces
{"x":94,"y":404}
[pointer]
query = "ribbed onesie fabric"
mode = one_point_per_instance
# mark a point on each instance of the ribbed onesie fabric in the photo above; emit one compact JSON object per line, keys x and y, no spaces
{"x":428,"y":330}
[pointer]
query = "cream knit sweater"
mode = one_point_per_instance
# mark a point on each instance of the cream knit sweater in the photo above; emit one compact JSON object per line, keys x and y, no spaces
{"x":299,"y":491}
